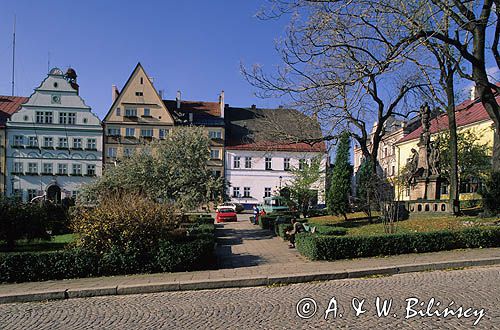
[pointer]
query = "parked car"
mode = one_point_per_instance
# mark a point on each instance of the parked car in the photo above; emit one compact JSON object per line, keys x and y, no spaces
{"x":225,"y":214}
{"x":238,"y":208}
{"x":274,"y":204}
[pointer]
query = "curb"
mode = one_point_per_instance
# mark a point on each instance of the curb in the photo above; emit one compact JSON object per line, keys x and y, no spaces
{"x":240,"y":282}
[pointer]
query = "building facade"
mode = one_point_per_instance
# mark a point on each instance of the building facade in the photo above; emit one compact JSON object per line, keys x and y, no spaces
{"x":255,"y":168}
{"x":53,"y":141}
{"x":470,"y":115}
{"x":8,"y":105}
{"x":136,"y":117}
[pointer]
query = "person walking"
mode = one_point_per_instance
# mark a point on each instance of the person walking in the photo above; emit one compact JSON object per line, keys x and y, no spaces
{"x":256,"y":212}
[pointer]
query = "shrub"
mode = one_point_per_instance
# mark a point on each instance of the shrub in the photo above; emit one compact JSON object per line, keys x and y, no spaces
{"x":321,"y":247}
{"x":282,"y":229}
{"x":22,"y":221}
{"x":267,"y":221}
{"x":330,"y":230}
{"x":189,"y":255}
{"x":491,"y":194}
{"x":123,"y":222}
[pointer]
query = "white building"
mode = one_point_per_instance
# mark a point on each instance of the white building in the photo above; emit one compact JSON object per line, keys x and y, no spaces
{"x":255,"y":168}
{"x":54,"y":141}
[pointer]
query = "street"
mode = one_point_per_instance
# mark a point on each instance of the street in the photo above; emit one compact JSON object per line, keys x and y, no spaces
{"x":475,"y":289}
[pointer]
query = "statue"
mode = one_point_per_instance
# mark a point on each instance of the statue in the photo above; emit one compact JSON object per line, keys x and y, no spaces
{"x":434,"y":159}
{"x":412,"y":165}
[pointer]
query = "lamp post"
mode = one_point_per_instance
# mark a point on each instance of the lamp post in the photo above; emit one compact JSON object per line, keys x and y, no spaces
{"x":280,"y":184}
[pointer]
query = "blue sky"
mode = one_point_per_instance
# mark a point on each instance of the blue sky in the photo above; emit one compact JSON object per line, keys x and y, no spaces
{"x":194,"y":46}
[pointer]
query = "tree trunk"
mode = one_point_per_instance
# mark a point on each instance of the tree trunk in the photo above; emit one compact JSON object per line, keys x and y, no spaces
{"x":453,"y":144}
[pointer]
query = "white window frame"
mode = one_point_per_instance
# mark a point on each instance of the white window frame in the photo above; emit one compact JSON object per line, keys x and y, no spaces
{"x":248,"y":162}
{"x":236,"y":161}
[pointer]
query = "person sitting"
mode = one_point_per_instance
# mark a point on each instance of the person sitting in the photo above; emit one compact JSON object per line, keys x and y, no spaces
{"x":297,"y":228}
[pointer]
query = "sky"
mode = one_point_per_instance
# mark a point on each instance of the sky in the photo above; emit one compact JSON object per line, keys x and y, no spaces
{"x":192,"y":46}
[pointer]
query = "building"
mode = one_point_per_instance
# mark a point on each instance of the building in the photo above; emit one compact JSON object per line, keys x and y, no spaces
{"x":209,"y":115}
{"x":137,"y":116}
{"x":394,"y":131}
{"x":8,"y":105}
{"x":469,"y":115}
{"x":53,"y":141}
{"x":258,"y":166}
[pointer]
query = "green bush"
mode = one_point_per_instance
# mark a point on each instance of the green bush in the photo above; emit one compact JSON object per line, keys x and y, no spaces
{"x":267,"y":221}
{"x":317,"y":213}
{"x":189,"y":254}
{"x":321,"y":247}
{"x":491,"y":194}
{"x":282,"y":228}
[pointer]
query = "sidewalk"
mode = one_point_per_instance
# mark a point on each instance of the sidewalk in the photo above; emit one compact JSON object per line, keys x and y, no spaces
{"x":248,"y":256}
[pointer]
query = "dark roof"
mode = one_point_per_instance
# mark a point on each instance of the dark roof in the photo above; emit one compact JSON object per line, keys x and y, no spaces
{"x":466,"y":113}
{"x":204,"y":113}
{"x":9,"y":105}
{"x":271,"y":129}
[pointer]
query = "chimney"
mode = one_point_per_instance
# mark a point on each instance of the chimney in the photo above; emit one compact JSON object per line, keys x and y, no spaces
{"x":114,"y":93}
{"x":160,"y":92}
{"x":254,"y":107}
{"x":221,"y":104}
{"x":178,"y":99}
{"x":473,"y":93}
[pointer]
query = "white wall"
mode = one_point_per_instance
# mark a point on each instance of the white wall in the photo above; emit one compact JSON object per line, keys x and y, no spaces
{"x":258,"y":178}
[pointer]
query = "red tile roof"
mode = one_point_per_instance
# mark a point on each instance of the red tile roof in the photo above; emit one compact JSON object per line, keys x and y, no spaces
{"x":9,"y":105}
{"x":467,"y":112}
{"x":266,"y":146}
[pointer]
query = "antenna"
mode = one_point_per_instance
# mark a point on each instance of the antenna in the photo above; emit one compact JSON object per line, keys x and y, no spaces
{"x":13,"y":54}
{"x":48,"y":62}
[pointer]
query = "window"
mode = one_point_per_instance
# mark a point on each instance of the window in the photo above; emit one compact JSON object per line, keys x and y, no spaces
{"x":113,"y":131}
{"x":142,"y":80}
{"x":139,"y":94}
{"x":62,"y":169}
{"x":147,"y":112}
{"x":236,"y":191}
{"x":72,"y":118}
{"x":112,"y":152}
{"x":444,"y":189}
{"x":118,"y":111}
{"x":393,"y":170}
{"x":127,"y":152}
{"x":48,"y":142}
{"x":267,"y":192}
{"x":33,"y":141}
{"x":248,"y":162}
{"x":236,"y":162}
{"x":246,"y":192}
{"x":302,"y":164}
{"x":147,"y":132}
{"x":215,"y":134}
{"x":63,"y":117}
{"x":18,"y":167}
{"x":77,"y":143}
{"x":385,"y":171}
{"x":44,"y":117}
{"x":91,"y":144}
{"x":286,"y":164}
{"x":77,"y":169}
{"x":74,"y":194}
{"x":393,"y":150}
{"x":407,"y":191}
{"x":63,"y":142}
{"x":32,"y":193}
{"x":214,"y":153}
{"x":47,"y":168}
{"x":131,"y":112}
{"x":130,"y":132}
{"x":163,"y":133}
{"x":32,"y":168}
{"x":91,"y":170}
{"x":269,"y":163}
{"x":18,"y":141}
{"x":385,"y":152}
{"x":216,"y":173}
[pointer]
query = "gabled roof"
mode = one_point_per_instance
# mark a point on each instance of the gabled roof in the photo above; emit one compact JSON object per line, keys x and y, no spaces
{"x":204,"y":113}
{"x":9,"y":105}
{"x":121,"y":93}
{"x":466,"y":113}
{"x":247,"y":129}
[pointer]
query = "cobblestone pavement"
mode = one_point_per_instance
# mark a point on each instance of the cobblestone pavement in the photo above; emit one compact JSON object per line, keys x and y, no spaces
{"x":275,"y":307}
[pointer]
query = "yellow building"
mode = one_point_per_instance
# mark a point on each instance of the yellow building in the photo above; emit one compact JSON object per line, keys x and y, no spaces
{"x":136,"y":116}
{"x":8,"y":105}
{"x":470,"y":116}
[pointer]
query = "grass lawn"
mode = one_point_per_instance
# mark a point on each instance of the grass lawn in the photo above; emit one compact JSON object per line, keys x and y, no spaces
{"x":357,"y":226}
{"x":58,"y":242}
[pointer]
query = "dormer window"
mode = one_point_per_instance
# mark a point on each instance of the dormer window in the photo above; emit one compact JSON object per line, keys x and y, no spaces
{"x":118,"y":111}
{"x":139,"y":94}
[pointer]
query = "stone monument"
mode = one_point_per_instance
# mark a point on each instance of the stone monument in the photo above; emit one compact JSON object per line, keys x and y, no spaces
{"x":423,"y":168}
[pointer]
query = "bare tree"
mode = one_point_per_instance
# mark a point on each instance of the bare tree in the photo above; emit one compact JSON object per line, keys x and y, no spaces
{"x":339,"y":64}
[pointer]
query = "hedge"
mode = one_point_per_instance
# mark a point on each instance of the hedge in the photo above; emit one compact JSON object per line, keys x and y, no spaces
{"x":321,"y":247}
{"x":192,"y":253}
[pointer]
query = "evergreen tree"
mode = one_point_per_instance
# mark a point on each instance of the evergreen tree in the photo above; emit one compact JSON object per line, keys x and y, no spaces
{"x":340,"y":180}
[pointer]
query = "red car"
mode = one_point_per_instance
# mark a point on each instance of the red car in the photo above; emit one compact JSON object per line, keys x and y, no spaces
{"x":225,"y":214}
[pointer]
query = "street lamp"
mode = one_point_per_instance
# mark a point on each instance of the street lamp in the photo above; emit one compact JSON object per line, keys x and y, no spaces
{"x":280,"y":184}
